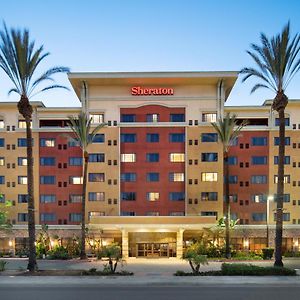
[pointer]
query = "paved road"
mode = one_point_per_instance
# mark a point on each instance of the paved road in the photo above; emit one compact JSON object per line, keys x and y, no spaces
{"x":211,"y":292}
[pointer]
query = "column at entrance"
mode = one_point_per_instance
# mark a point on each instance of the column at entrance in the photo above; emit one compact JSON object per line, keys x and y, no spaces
{"x":125,"y":243}
{"x":179,"y":243}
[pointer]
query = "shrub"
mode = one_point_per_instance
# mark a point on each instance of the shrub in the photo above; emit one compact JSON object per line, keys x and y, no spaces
{"x":267,"y":253}
{"x":251,"y":270}
{"x":240,"y":255}
{"x":58,"y":252}
{"x":3,"y":264}
{"x":114,"y":255}
{"x":291,"y":254}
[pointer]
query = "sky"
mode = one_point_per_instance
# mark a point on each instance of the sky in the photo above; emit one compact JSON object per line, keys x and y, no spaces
{"x":149,"y":35}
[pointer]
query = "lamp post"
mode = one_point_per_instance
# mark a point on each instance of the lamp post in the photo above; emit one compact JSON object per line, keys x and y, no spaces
{"x":270,"y":198}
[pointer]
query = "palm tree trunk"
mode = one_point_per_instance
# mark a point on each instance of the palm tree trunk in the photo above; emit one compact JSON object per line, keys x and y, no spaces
{"x":227,"y":204}
{"x":280,"y":190}
{"x":25,"y":110}
{"x":84,"y":185}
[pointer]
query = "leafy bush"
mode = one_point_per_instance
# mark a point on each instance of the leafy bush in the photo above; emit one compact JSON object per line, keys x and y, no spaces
{"x":267,"y":253}
{"x":3,"y":264}
{"x":206,"y":273}
{"x":194,"y":255}
{"x":240,"y":255}
{"x":291,"y":254}
{"x":22,"y":252}
{"x":114,"y":255}
{"x":106,"y":271}
{"x":58,"y":252}
{"x":251,"y":270}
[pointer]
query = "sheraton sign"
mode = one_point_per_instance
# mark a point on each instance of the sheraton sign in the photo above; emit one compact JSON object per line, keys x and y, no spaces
{"x":139,"y":91}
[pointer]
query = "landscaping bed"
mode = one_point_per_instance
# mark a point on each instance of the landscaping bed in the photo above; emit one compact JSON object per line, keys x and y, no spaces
{"x":72,"y":273}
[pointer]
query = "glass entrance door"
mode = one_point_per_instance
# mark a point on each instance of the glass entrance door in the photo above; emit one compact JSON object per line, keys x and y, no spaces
{"x":152,"y":250}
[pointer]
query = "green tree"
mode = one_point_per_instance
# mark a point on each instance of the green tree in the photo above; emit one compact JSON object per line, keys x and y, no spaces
{"x":228,"y":130}
{"x":277,"y":61}
{"x":4,"y":207}
{"x":114,"y":254}
{"x":84,"y":135}
{"x":19,"y":59}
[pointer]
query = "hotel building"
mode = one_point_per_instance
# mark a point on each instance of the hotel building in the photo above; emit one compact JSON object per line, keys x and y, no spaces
{"x":155,"y":176}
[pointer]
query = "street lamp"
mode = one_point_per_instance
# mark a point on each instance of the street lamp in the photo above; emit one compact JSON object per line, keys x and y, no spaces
{"x":270,"y":198}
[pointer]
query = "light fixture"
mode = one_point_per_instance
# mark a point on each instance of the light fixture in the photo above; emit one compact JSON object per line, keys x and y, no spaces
{"x":10,"y":243}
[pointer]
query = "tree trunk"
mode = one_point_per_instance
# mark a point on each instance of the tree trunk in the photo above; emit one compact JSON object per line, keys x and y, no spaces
{"x":84,"y":185}
{"x":227,"y":206}
{"x":25,"y":110}
{"x":280,"y":191}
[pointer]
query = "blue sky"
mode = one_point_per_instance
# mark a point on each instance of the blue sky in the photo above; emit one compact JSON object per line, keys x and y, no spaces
{"x":144,"y":35}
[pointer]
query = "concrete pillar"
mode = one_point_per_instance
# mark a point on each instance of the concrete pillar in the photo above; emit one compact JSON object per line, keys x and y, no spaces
{"x":125,"y":243}
{"x":179,"y":243}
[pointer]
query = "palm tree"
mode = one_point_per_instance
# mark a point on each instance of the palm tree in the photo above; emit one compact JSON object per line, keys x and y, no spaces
{"x":19,"y":60}
{"x":228,"y":130}
{"x":277,"y":61}
{"x":84,"y":135}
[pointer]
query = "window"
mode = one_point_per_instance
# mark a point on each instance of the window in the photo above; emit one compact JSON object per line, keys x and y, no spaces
{"x":75,"y":217}
{"x":287,"y":160}
{"x":73,"y":143}
{"x":22,"y":124}
{"x":75,"y":180}
{"x":2,"y":142}
{"x":259,"y":179}
{"x":75,"y":161}
{"x":176,"y":177}
{"x":233,"y":198}
{"x":259,"y":160}
{"x":22,"y":198}
{"x":47,"y":179}
{"x":259,"y":141}
{"x":286,"y":179}
{"x":209,"y":137}
{"x":47,"y":198}
{"x":209,"y":117}
{"x":209,"y":157}
{"x":75,"y":198}
{"x":22,"y":142}
{"x":286,"y":121}
{"x":152,"y":118}
{"x":152,"y":196}
{"x":95,"y":214}
{"x":209,"y":214}
{"x":287,"y":141}
{"x":127,"y":213}
{"x":22,"y":161}
{"x":48,"y":217}
{"x":259,"y":198}
{"x":96,"y":196}
{"x":285,"y":217}
{"x":128,"y":177}
{"x":152,"y":157}
{"x":22,"y":217}
{"x":152,"y":177}
{"x":259,"y":217}
{"x":97,"y":118}
{"x":47,"y":142}
{"x":177,"y":118}
{"x":209,"y":196}
{"x":1,"y":124}
{"x":47,"y":161}
{"x":128,"y":157}
{"x":232,"y":160}
{"x":22,"y":179}
{"x":286,"y":197}
{"x":152,"y":137}
{"x":176,"y":213}
{"x":99,"y":138}
{"x":209,"y":176}
{"x":96,"y":177}
{"x":233,"y":179}
{"x":128,"y":196}
{"x":97,"y":157}
{"x":176,"y":137}
{"x":2,"y":180}
{"x":176,"y":157}
{"x":126,"y":118}
{"x":2,"y":161}
{"x":152,"y":213}
{"x":177,"y":196}
{"x":128,"y":138}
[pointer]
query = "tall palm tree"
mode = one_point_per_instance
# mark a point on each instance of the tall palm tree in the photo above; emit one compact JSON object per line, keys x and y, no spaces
{"x":277,"y":61}
{"x":19,"y":60}
{"x":228,"y":130}
{"x":84,"y":135}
